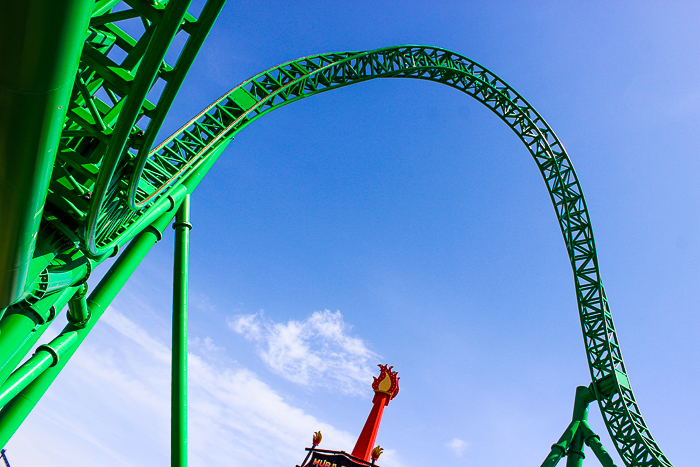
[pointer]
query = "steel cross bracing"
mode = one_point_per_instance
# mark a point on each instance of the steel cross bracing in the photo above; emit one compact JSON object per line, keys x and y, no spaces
{"x":110,"y":119}
{"x":108,"y":185}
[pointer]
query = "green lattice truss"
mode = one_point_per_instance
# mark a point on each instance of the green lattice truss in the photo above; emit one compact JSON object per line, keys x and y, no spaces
{"x":108,"y":185}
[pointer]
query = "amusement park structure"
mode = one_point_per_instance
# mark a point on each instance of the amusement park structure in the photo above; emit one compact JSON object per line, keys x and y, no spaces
{"x":84,"y":90}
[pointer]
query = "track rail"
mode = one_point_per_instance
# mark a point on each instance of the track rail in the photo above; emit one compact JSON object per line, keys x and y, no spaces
{"x":153,"y":175}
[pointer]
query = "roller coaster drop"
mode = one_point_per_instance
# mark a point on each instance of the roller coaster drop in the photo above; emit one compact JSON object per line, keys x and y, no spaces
{"x":80,"y":180}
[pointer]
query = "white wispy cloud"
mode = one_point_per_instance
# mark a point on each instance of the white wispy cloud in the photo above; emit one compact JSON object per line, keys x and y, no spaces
{"x":317,"y":351}
{"x":111,"y":407}
{"x":205,"y":346}
{"x":458,"y":446}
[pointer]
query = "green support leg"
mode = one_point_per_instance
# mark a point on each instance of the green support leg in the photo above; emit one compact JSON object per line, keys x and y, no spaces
{"x":593,"y":441}
{"x":45,"y":308}
{"x":571,"y":442}
{"x":575,"y":455}
{"x":178,"y":427}
{"x":16,"y":359}
{"x":560,"y":447}
{"x":46,"y":356}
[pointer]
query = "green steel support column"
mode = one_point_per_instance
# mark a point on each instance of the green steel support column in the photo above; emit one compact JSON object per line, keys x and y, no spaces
{"x":575,"y":455}
{"x":571,"y":442}
{"x":178,"y":427}
{"x":41,"y":44}
{"x":17,"y":358}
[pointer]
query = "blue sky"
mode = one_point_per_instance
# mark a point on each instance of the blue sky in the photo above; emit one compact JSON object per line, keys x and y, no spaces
{"x":401,"y":222}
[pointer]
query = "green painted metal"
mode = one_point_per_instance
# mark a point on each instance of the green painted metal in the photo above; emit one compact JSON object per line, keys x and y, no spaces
{"x":593,"y":440}
{"x":22,"y":351}
{"x":41,"y":42}
{"x":24,"y":326}
{"x":59,"y":266}
{"x":574,"y":453}
{"x":159,"y":41}
{"x":560,"y":447}
{"x":46,"y":356}
{"x":178,"y":430}
{"x":571,"y":443}
{"x":112,"y":117}
{"x":206,"y":19}
{"x":17,"y":327}
{"x":78,"y":312}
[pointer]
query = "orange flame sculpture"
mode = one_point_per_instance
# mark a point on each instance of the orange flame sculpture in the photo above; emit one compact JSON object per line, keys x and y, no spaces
{"x":376,"y":452}
{"x":387,"y":382}
{"x":317,"y":438}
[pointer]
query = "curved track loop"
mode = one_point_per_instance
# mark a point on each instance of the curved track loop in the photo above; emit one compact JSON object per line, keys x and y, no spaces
{"x":171,"y":162}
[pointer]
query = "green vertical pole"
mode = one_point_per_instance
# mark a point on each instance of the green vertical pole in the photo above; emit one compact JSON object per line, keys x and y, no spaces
{"x":178,"y":427}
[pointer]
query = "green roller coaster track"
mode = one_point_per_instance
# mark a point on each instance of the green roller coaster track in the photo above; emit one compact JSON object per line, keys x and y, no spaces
{"x":102,"y":185}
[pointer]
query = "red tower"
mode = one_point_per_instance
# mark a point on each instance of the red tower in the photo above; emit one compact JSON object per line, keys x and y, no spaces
{"x":386,"y":387}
